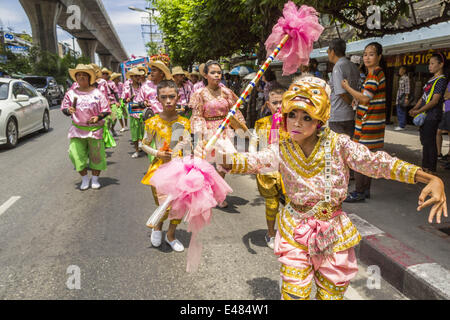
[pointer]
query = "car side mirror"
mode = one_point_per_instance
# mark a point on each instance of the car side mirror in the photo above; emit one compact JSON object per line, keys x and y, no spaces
{"x":22,"y":98}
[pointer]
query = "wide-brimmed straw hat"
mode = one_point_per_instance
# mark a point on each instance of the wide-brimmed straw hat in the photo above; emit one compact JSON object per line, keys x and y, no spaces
{"x":195,"y":73}
{"x":115,"y":75}
{"x":106,"y":70}
{"x":83,"y":68}
{"x":142,"y":68}
{"x":97,"y":70}
{"x":134,"y":72}
{"x":178,"y":70}
{"x":161,"y":66}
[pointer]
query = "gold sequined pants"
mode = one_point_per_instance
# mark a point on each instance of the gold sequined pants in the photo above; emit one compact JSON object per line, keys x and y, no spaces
{"x":270,"y":187}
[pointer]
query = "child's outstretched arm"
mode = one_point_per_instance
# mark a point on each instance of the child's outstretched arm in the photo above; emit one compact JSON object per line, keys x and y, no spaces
{"x":263,"y":161}
{"x":381,"y":165}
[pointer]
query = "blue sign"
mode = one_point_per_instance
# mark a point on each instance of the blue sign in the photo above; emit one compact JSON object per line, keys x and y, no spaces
{"x":9,"y":37}
{"x":17,"y":49}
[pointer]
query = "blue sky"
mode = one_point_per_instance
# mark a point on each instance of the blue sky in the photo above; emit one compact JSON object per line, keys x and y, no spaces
{"x":126,"y":22}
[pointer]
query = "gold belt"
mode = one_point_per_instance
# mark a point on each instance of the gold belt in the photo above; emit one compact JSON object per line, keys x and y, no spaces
{"x":321,"y":211}
{"x":215,"y":118}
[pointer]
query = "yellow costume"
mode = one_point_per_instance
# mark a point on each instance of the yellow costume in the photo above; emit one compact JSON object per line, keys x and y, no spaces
{"x":160,"y":131}
{"x":270,"y":185}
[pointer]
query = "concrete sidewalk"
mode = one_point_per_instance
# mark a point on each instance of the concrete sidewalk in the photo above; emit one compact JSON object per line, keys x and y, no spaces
{"x":412,"y":254}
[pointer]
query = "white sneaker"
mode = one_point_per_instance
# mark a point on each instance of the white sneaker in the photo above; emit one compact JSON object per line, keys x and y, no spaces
{"x":156,"y":238}
{"x":84,"y":182}
{"x":135,"y":155}
{"x":140,"y":144}
{"x":175,"y":244}
{"x":270,"y":241}
{"x":122,"y":130}
{"x":399,"y":129}
{"x":95,"y":184}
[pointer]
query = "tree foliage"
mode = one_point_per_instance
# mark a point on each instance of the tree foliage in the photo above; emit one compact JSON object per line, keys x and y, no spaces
{"x":41,"y":63}
{"x":197,"y":30}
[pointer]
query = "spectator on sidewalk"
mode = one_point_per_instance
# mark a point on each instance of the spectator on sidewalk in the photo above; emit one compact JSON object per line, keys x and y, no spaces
{"x":342,"y":115}
{"x":313,"y":64}
{"x":370,"y":113}
{"x":402,"y":100}
{"x":431,"y":104}
{"x":444,"y":127}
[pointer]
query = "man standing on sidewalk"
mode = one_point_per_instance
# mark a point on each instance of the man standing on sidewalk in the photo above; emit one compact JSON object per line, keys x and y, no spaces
{"x":402,"y":100}
{"x":342,"y":116}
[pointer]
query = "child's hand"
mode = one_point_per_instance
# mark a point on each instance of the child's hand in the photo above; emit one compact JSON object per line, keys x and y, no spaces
{"x":93,"y":120}
{"x":164,"y":155}
{"x":434,"y":189}
{"x":71,"y":110}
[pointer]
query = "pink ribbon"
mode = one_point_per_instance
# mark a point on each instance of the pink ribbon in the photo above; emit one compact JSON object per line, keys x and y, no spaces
{"x":318,"y":236}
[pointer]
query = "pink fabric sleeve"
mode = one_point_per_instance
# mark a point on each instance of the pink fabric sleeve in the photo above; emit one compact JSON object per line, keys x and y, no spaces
{"x":374,"y":164}
{"x":198,"y":122}
{"x":104,"y":105}
{"x":232,"y":98}
{"x":67,"y":101}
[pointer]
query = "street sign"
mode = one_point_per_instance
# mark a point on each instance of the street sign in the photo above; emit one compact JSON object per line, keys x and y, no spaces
{"x":8,"y":37}
{"x":17,"y":49}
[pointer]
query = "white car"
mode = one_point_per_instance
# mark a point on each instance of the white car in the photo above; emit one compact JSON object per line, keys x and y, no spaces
{"x":22,"y":111}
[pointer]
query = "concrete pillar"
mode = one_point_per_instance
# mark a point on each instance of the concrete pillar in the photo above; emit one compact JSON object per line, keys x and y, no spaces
{"x":115,"y":66}
{"x":43,"y":15}
{"x":106,"y":60}
{"x":88,"y":47}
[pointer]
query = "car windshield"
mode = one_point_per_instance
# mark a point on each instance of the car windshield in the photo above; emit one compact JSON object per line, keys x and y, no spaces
{"x":4,"y":90}
{"x":36,"y":82}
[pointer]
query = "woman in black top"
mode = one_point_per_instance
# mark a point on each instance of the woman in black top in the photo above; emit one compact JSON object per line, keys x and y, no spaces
{"x":431,"y":103}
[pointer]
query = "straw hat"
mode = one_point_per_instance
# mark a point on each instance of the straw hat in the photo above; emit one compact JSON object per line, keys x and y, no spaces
{"x":83,"y":68}
{"x":106,"y":70}
{"x":97,"y":70}
{"x":142,"y":68}
{"x":195,"y":73}
{"x":178,"y":70}
{"x":115,"y":75}
{"x":134,"y":72}
{"x":161,"y":66}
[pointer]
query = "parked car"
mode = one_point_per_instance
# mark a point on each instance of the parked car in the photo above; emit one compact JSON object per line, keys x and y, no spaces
{"x":48,"y":87}
{"x":23,"y":110}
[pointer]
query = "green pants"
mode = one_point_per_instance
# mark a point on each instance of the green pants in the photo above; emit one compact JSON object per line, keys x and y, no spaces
{"x":122,"y":110}
{"x":137,"y":129}
{"x":87,"y":152}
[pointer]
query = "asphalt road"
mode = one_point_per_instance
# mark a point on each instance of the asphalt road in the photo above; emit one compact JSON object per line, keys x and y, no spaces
{"x":47,"y":226}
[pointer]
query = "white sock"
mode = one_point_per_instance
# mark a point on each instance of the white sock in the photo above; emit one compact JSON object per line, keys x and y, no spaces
{"x":94,"y":179}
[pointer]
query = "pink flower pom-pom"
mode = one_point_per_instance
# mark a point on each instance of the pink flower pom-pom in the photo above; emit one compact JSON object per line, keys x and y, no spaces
{"x":302,"y":26}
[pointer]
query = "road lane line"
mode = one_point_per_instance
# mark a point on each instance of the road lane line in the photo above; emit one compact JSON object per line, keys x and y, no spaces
{"x":8,"y":204}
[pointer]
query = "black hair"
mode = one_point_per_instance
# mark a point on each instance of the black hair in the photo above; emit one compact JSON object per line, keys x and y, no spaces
{"x":277,"y":88}
{"x":338,"y":46}
{"x":379,"y":48}
{"x":442,"y":59}
{"x":166,"y":84}
{"x":206,"y":69}
{"x":270,"y":75}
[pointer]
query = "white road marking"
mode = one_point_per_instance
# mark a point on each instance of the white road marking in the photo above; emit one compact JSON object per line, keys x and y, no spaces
{"x":8,"y":204}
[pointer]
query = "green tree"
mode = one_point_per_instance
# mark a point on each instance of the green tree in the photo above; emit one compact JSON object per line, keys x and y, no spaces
{"x":152,"y":48}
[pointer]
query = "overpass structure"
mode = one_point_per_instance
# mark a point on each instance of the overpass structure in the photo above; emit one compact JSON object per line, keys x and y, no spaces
{"x":86,"y":20}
